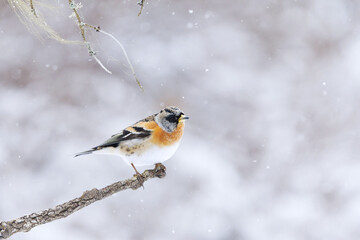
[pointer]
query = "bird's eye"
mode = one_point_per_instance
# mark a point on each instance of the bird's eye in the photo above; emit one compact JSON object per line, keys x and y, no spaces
{"x":171,"y":118}
{"x":168,"y":110}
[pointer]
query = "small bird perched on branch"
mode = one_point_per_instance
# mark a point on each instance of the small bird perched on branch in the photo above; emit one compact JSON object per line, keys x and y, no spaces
{"x":152,"y":140}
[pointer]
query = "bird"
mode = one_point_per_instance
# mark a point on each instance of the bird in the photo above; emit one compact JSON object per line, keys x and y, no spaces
{"x":152,"y":140}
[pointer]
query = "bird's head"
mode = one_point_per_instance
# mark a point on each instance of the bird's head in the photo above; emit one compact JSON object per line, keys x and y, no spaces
{"x":169,"y":118}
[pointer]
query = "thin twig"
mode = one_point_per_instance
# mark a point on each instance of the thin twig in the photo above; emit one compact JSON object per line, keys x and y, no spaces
{"x":91,"y":26}
{"x":81,"y":24}
{"x":32,"y":7}
{"x":141,"y":4}
{"x":101,"y":65}
{"x":126,"y":56}
{"x":98,"y":29}
{"x":74,"y":8}
{"x":27,"y":222}
{"x":92,"y":54}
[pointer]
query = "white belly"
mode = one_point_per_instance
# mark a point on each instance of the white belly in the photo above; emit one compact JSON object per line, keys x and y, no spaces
{"x":150,"y":156}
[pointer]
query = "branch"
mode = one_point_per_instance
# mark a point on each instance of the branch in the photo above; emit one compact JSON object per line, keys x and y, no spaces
{"x":75,"y":7}
{"x":141,"y":4}
{"x":27,"y":222}
{"x":126,"y":56}
{"x":32,"y":7}
{"x":98,"y":29}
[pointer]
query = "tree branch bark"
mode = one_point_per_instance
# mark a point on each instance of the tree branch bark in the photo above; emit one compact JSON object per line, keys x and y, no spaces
{"x":27,"y":222}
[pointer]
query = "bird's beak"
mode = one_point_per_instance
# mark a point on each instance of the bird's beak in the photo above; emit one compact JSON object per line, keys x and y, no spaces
{"x":183,"y":118}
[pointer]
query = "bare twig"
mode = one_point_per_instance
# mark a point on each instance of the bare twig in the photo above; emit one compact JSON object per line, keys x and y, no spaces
{"x":98,"y":29}
{"x":141,"y":4}
{"x":27,"y":222}
{"x":92,"y":54}
{"x":75,"y":6}
{"x":126,"y":56}
{"x":91,"y":26}
{"x":100,"y":63}
{"x":32,"y":7}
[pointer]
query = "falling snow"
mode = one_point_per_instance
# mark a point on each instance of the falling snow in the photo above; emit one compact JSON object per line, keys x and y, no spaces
{"x":271,"y":147}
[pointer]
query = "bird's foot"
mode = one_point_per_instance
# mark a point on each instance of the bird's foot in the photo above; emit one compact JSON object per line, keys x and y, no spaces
{"x":160,"y":170}
{"x":140,"y":179}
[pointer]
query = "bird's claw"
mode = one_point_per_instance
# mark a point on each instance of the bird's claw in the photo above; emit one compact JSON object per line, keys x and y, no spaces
{"x":140,"y":179}
{"x":160,"y":170}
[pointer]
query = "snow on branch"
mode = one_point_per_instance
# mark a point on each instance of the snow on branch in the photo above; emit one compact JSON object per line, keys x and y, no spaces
{"x":27,"y":222}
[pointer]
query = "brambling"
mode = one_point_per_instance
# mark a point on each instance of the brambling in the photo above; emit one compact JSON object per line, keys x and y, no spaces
{"x":152,"y":140}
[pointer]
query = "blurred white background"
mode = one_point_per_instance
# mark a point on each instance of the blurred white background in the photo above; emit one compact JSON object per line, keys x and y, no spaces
{"x":271,"y":149}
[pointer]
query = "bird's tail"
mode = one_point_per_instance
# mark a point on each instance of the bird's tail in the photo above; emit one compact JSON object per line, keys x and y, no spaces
{"x":85,"y":152}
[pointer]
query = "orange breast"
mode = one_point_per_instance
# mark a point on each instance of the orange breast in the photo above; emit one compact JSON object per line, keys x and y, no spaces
{"x":163,"y":138}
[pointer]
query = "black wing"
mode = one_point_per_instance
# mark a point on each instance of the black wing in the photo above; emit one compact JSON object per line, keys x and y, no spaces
{"x":125,"y":135}
{"x":128,"y":134}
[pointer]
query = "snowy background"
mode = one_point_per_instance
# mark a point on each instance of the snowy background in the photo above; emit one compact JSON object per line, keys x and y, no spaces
{"x":272,"y":147}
